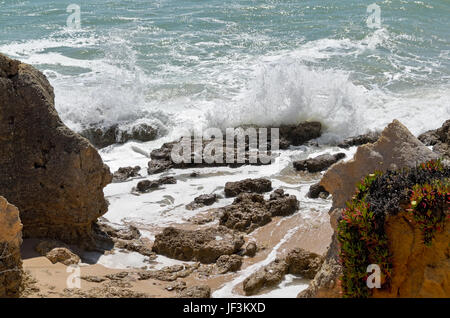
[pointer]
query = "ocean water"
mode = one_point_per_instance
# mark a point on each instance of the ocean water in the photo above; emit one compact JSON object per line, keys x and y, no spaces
{"x":181,"y":64}
{"x":223,"y":63}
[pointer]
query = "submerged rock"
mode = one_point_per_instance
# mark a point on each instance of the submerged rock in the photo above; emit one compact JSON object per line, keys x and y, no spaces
{"x":11,"y":274}
{"x":204,"y":245}
{"x":202,"y":201}
{"x":318,"y":163}
{"x":54,"y":176}
{"x":125,"y":173}
{"x":316,"y":191}
{"x":259,"y":185}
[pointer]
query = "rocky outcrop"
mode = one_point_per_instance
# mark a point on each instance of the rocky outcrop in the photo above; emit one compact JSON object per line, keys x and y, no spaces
{"x":395,"y":149}
{"x":54,"y":176}
{"x":125,"y":173}
{"x":439,"y":139}
{"x":10,"y":241}
{"x":297,"y":135}
{"x":297,"y":262}
{"x":418,"y":270}
{"x":318,"y":163}
{"x":370,"y":137}
{"x":250,"y":211}
{"x":101,"y":136}
{"x":205,"y":245}
{"x":259,"y":185}
{"x":228,"y":263}
{"x":57,"y":252}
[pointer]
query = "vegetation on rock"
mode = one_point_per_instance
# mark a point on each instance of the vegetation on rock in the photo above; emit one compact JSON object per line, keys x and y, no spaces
{"x":423,"y":192}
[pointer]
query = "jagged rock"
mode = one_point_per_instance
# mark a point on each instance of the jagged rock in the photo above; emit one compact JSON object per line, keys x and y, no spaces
{"x":247,"y":212}
{"x":303,"y":263}
{"x":202,"y":291}
{"x":395,"y":149}
{"x":370,"y":137}
{"x":62,"y":255}
{"x":177,"y":286}
{"x":11,"y":274}
{"x":297,"y":135}
{"x":204,"y":245}
{"x":250,"y":249}
{"x":125,"y":233}
{"x":202,"y":201}
{"x":102,"y":137}
{"x":228,"y":263}
{"x":250,"y":211}
{"x":259,"y":185}
{"x":439,"y":139}
{"x":147,"y":185}
{"x":125,"y":173}
{"x":316,"y":191}
{"x":168,"y":273}
{"x":54,"y":176}
{"x":318,"y":163}
{"x":268,"y":276}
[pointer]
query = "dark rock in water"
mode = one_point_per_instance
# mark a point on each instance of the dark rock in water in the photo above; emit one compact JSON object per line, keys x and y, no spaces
{"x":259,"y":185}
{"x":303,"y":263}
{"x":204,"y":245}
{"x":439,"y":139}
{"x":250,"y":211}
{"x":202,"y":291}
{"x":246,"y":213}
{"x":201,"y":201}
{"x":157,"y":166}
{"x":316,"y":191}
{"x":267,"y":276}
{"x":125,"y":173}
{"x":370,"y":137}
{"x":53,"y":175}
{"x":147,"y":185}
{"x":297,"y":135}
{"x":104,"y":136}
{"x":318,"y":163}
{"x":228,"y":263}
{"x":281,"y":204}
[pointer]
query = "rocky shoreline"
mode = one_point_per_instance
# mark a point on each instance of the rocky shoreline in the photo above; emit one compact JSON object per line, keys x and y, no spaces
{"x":52,"y":182}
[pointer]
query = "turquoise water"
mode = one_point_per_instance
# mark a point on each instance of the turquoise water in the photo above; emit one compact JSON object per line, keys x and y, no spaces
{"x":183,"y":63}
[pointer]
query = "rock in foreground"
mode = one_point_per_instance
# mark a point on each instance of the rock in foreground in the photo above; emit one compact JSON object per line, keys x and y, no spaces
{"x":205,"y":245}
{"x":10,"y":241}
{"x":54,"y":176}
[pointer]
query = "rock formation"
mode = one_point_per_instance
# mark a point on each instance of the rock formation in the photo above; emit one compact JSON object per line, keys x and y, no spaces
{"x":10,"y":241}
{"x":259,"y":185}
{"x":439,"y":139}
{"x":205,"y":245}
{"x":395,"y":149}
{"x":125,"y":173}
{"x":54,"y":176}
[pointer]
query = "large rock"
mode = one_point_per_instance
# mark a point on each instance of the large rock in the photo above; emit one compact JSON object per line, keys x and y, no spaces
{"x":205,"y":245}
{"x":54,"y":176}
{"x":297,"y":135}
{"x":10,"y":241}
{"x":303,"y":263}
{"x":418,"y":271}
{"x":268,"y":276}
{"x":395,"y":149}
